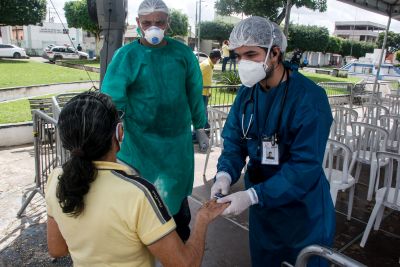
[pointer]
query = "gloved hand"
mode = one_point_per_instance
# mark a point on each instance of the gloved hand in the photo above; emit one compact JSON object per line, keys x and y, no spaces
{"x":240,"y":201}
{"x":222,"y":184}
{"x":203,"y":139}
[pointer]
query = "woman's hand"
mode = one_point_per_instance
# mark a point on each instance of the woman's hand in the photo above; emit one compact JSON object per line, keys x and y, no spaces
{"x":210,"y":210}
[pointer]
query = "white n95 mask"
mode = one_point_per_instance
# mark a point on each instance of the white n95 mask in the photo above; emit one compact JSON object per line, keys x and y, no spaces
{"x":154,"y":35}
{"x":251,"y":72}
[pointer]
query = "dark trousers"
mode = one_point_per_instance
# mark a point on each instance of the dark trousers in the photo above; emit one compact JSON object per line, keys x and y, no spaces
{"x":224,"y":62}
{"x":205,"y":100}
{"x":182,"y":220}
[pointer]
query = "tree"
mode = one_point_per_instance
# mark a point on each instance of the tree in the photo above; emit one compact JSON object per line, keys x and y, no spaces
{"x":22,"y":12}
{"x":308,"y":38}
{"x":392,"y":43}
{"x":334,"y":45}
{"x":215,"y":30}
{"x":178,"y":24}
{"x":77,"y":15}
{"x":356,"y":49}
{"x":275,"y":10}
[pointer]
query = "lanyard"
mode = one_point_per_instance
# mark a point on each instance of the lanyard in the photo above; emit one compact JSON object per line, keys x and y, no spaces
{"x":282,"y":104}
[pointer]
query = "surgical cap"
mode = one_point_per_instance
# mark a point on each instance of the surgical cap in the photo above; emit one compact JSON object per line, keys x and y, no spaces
{"x":150,"y":6}
{"x":257,"y":31}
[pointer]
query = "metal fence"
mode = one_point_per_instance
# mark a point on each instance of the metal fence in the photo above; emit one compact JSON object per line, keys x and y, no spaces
{"x":222,"y":97}
{"x":47,"y":152}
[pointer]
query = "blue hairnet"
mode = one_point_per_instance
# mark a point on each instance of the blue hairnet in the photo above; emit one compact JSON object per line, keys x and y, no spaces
{"x":150,"y":6}
{"x":257,"y":31}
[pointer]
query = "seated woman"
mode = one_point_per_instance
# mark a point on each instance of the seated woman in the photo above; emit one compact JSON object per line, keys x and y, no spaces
{"x":104,"y":213}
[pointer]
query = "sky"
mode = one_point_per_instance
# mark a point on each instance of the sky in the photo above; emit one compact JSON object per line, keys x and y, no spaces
{"x":336,"y":11}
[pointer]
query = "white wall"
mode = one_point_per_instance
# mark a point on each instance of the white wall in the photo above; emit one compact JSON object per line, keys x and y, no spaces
{"x":38,"y":37}
{"x":6,"y":34}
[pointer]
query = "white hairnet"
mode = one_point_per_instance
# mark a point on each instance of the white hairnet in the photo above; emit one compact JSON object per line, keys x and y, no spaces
{"x":257,"y":31}
{"x":150,"y":6}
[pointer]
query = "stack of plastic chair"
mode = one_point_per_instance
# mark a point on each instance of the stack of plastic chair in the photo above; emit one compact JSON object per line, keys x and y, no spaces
{"x":387,"y":196}
{"x":339,"y":177}
{"x":368,"y":140}
{"x":216,"y":119}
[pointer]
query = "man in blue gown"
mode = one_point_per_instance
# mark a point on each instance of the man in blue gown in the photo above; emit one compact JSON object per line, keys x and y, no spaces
{"x":277,"y":111}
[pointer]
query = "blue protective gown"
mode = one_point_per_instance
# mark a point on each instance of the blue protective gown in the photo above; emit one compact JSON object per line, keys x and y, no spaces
{"x":295,"y":208}
{"x":159,"y":89}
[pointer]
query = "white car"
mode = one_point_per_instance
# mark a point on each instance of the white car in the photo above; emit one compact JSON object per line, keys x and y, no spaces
{"x":63,"y":52}
{"x":7,"y":50}
{"x":200,"y":55}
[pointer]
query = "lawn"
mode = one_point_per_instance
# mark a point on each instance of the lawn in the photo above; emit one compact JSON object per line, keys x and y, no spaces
{"x":90,"y":63}
{"x":317,"y":78}
{"x":18,"y":111}
{"x":15,"y":111}
{"x":15,"y":73}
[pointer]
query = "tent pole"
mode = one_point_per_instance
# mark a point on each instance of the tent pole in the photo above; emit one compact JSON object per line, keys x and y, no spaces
{"x":383,"y":50}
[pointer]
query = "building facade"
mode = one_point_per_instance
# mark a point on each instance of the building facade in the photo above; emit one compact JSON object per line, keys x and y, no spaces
{"x":35,"y":38}
{"x":364,"y":31}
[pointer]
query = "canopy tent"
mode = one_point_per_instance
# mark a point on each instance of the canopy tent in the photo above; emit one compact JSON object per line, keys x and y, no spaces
{"x":390,"y":8}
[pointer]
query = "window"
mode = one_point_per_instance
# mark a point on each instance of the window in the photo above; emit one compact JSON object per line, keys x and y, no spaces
{"x":65,"y":31}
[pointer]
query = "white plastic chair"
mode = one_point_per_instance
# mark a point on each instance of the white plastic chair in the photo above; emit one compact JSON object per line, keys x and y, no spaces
{"x":368,"y":139}
{"x":342,"y":119}
{"x":392,"y":124}
{"x":216,"y":120}
{"x":372,"y":112}
{"x":387,"y":196}
{"x":339,"y":178}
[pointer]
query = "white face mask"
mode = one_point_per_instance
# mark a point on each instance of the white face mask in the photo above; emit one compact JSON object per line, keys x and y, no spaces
{"x":251,"y":72}
{"x":154,"y":35}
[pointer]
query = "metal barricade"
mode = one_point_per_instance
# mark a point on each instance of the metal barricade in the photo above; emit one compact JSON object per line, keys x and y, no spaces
{"x":339,"y":93}
{"x":337,"y":258}
{"x":222,"y":97}
{"x":59,"y":101}
{"x":46,"y":139}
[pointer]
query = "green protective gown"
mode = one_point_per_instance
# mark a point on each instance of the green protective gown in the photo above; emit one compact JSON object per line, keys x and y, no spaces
{"x":159,"y":89}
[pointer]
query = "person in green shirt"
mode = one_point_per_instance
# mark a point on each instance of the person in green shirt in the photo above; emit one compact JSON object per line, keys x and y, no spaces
{"x":157,"y":83}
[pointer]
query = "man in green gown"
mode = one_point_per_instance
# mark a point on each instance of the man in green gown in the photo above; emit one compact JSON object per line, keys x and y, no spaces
{"x":156,"y":81}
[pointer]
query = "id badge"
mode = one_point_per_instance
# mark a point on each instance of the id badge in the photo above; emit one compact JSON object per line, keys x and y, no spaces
{"x":270,"y":153}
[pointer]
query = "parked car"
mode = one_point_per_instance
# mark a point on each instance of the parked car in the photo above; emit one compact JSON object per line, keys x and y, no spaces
{"x":63,"y":52}
{"x":201,"y":56}
{"x":13,"y":51}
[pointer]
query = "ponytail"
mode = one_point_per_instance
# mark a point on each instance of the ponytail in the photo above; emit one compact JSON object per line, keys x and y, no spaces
{"x":74,"y":184}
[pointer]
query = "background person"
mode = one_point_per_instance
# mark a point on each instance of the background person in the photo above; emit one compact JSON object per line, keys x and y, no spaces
{"x":232,"y":60}
{"x":278,"y":108}
{"x":225,"y":54}
{"x":207,"y":71}
{"x":157,"y":82}
{"x":104,"y":213}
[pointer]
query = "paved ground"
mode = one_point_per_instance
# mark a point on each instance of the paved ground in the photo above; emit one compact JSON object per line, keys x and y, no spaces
{"x":23,"y":241}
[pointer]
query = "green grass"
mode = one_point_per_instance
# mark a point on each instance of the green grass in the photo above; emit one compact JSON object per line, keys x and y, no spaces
{"x":15,"y":111}
{"x":15,"y":73}
{"x":317,"y":78}
{"x":91,"y":63}
{"x":19,"y":110}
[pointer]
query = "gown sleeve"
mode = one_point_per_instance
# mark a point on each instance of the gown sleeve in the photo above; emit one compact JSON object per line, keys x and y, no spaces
{"x":194,"y":88}
{"x":303,"y":170}
{"x":119,"y":75}
{"x":233,"y":156}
